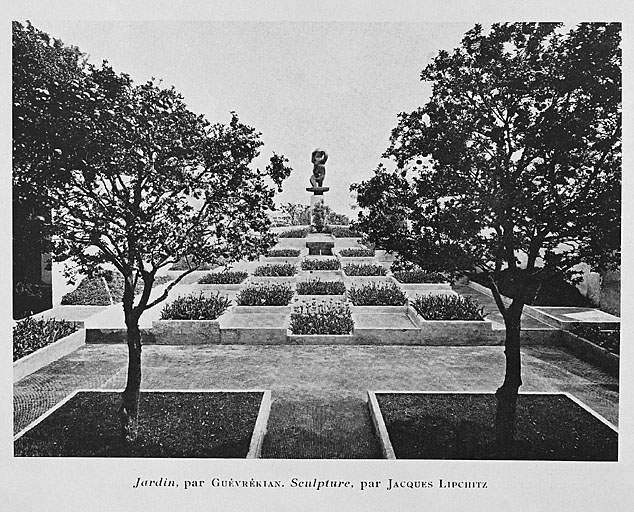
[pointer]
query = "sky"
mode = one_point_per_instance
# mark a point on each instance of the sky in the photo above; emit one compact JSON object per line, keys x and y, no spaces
{"x":303,"y":85}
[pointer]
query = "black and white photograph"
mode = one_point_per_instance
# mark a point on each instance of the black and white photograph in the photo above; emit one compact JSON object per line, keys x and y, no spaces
{"x":375,"y":249}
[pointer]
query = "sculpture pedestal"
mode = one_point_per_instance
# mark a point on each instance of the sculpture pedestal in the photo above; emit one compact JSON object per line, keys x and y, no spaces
{"x":318,"y":191}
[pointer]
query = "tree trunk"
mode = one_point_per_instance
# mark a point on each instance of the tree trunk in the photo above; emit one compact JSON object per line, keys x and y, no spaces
{"x":506,"y":395}
{"x":129,"y":409}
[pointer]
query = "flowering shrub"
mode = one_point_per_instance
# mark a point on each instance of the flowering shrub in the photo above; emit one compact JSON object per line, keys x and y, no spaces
{"x":191,"y":307}
{"x":609,"y":340}
{"x":293,"y":233}
{"x":356,"y":253}
{"x":318,"y":287}
{"x":30,"y":335}
{"x":388,"y":294}
{"x":265,"y":295}
{"x":419,"y":276}
{"x":322,"y":318}
{"x":282,"y":270}
{"x":448,"y":307}
{"x":283,"y":253}
{"x":325,"y":264}
{"x":225,"y":277}
{"x":365,"y":270}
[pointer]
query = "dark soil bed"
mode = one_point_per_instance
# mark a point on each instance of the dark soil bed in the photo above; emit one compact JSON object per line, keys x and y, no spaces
{"x":171,"y":425}
{"x":460,"y":426}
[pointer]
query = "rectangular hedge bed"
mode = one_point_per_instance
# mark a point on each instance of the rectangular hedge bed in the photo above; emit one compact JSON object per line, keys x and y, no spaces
{"x":460,"y":426}
{"x":172,"y":424}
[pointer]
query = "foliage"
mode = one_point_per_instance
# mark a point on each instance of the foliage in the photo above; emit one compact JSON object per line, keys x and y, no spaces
{"x":356,"y":253}
{"x":298,"y":213}
{"x":332,"y":318}
{"x":101,"y":290}
{"x":283,"y":253}
{"x":319,"y":287}
{"x":321,"y":264}
{"x":189,"y":263}
{"x":419,"y":276}
{"x":448,"y":307}
{"x":192,"y":307}
{"x":30,"y":335}
{"x":224,"y":277}
{"x":319,"y":217}
{"x":265,"y":295}
{"x":365,"y":270}
{"x":279,"y":270}
{"x":160,"y":280}
{"x":293,"y":233}
{"x":372,"y":294}
{"x":342,"y":232}
{"x":609,"y":340}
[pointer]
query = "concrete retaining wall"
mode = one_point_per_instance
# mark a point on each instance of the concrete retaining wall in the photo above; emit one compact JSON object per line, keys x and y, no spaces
{"x":186,"y":332}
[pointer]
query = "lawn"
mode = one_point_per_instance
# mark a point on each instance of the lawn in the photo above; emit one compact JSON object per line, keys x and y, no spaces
{"x":172,"y":425}
{"x":460,"y":426}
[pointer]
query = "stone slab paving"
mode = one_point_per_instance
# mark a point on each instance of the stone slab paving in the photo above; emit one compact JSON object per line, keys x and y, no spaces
{"x":319,"y":392}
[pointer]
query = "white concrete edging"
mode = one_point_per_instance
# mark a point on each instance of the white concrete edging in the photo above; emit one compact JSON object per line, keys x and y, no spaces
{"x":46,"y":355}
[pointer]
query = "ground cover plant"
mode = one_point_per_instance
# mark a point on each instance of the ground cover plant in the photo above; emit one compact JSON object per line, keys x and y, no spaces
{"x":609,"y":340}
{"x":342,"y":232}
{"x":269,"y":294}
{"x":101,"y":290}
{"x":281,"y":270}
{"x":30,"y":335}
{"x":372,"y":294}
{"x":332,"y":318}
{"x":283,"y":253}
{"x":172,"y":425}
{"x":448,"y":307}
{"x":419,"y":276}
{"x":196,"y":307}
{"x":293,"y":233}
{"x":457,"y":426}
{"x":321,"y":264}
{"x":319,"y":287}
{"x":365,"y":270}
{"x":225,"y":277}
{"x":356,"y":253}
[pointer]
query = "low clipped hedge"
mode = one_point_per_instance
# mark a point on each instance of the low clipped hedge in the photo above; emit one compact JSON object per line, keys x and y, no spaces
{"x":265,"y":295}
{"x":609,"y":340}
{"x":187,"y":264}
{"x":448,"y":307}
{"x":318,"y":287}
{"x":372,"y":294}
{"x":92,"y":291}
{"x":332,"y":318}
{"x":293,"y":233}
{"x":356,"y":253}
{"x":192,"y":307}
{"x":226,"y":277}
{"x":281,"y":270}
{"x":283,"y":253}
{"x":342,"y":232}
{"x":365,"y":270}
{"x":321,"y":264}
{"x":30,"y":335}
{"x":419,"y":276}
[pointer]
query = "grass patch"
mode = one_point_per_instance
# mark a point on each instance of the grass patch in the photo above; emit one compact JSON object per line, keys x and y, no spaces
{"x":282,"y":270}
{"x":172,"y":425}
{"x":372,"y":294}
{"x":332,"y":318}
{"x":318,"y":287}
{"x":321,"y":264}
{"x":460,"y":426}
{"x":225,"y":277}
{"x":265,"y":295}
{"x":30,"y":335}
{"x":365,"y":270}
{"x":419,"y":276}
{"x":192,"y":307}
{"x":448,"y":307}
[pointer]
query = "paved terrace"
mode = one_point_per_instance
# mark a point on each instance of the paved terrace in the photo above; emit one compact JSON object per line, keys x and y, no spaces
{"x":318,"y":392}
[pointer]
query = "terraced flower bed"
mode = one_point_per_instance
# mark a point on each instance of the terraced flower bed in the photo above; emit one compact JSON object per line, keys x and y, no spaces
{"x":459,"y":426}
{"x":265,"y":295}
{"x":364,"y":270}
{"x":279,"y":270}
{"x":226,"y":277}
{"x":356,"y":253}
{"x":372,"y":294}
{"x":318,"y":287}
{"x":330,"y":318}
{"x":419,"y":276}
{"x":172,"y":424}
{"x":321,"y":264}
{"x":31,"y":335}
